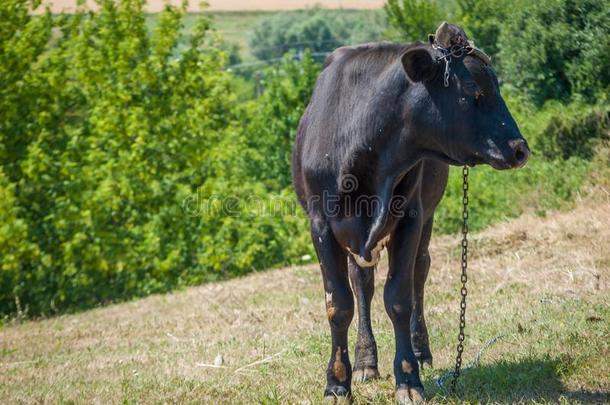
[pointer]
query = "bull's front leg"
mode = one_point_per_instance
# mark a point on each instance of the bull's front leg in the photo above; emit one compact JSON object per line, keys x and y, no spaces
{"x":399,"y":301}
{"x":339,"y":307}
{"x":419,"y":331}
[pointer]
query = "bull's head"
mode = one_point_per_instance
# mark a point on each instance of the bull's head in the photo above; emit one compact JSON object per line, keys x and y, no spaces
{"x":456,"y":108}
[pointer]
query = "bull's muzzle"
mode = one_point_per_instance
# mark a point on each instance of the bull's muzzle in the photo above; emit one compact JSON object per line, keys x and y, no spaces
{"x":520,"y":153}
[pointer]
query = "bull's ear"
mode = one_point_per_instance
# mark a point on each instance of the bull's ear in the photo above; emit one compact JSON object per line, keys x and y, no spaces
{"x":419,"y":64}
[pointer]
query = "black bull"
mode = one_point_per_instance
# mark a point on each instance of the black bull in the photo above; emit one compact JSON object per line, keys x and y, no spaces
{"x":370,"y":165}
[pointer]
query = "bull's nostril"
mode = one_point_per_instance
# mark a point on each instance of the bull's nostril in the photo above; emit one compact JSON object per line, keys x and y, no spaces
{"x":519,"y":155}
{"x":520,"y":151}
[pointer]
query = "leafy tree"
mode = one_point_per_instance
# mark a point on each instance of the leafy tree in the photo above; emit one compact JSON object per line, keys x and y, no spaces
{"x":574,"y":130}
{"x":23,"y":40}
{"x":483,"y":21}
{"x":557,"y":48}
{"x":319,"y":30}
{"x":14,"y":246}
{"x":275,"y":115}
{"x":105,"y":134}
{"x":412,"y":20}
{"x":125,"y":169}
{"x":297,"y":30}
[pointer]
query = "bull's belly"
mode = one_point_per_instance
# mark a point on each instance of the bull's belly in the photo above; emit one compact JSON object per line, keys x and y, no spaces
{"x":353,"y":233}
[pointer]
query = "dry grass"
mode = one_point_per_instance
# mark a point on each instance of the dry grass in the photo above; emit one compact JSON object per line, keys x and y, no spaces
{"x":542,"y":284}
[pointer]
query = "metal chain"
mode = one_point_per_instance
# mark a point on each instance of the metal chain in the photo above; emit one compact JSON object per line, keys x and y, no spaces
{"x":447,"y":74}
{"x":456,"y":51}
{"x":463,"y":278}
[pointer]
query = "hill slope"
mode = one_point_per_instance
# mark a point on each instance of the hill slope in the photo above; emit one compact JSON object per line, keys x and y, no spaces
{"x":541,"y":285}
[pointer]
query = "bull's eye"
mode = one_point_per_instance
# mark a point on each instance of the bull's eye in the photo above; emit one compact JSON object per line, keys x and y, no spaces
{"x":470,"y":87}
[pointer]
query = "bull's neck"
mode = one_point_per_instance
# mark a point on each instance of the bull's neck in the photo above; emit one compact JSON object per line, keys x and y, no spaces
{"x":389,"y":176}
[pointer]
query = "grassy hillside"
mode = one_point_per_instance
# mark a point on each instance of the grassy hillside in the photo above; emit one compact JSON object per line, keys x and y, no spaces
{"x":539,"y":285}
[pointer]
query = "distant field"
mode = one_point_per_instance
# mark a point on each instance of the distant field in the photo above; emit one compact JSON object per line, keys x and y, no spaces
{"x":154,"y":6}
{"x":236,"y":26}
{"x":234,"y":5}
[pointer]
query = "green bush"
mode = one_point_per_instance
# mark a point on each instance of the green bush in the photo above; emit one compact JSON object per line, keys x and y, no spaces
{"x":280,"y":33}
{"x":497,"y":196}
{"x":15,"y":246}
{"x":483,"y":21}
{"x":273,"y":117}
{"x":412,"y":20}
{"x":574,"y":130}
{"x":558,"y":130}
{"x":366,"y":26}
{"x":110,"y":133}
{"x":557,"y":48}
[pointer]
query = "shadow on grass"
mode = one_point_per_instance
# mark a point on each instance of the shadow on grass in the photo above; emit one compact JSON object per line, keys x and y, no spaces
{"x":506,"y":382}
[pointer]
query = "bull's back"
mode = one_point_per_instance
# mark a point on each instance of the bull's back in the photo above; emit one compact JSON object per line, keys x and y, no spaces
{"x":332,"y":128}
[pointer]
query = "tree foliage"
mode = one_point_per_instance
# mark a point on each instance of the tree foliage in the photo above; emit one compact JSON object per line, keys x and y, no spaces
{"x":110,"y":133}
{"x":483,"y":22}
{"x":556,"y":48}
{"x":275,"y":116}
{"x":412,"y":20}
{"x":105,"y":136}
{"x":316,"y":29}
{"x":574,"y":130}
{"x":280,"y":33}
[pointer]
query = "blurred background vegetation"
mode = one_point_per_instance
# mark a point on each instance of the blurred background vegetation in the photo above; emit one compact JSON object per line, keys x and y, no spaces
{"x":115,"y":124}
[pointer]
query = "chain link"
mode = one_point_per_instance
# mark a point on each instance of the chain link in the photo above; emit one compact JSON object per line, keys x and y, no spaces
{"x":463,"y":279}
{"x":456,"y":51}
{"x":447,"y":74}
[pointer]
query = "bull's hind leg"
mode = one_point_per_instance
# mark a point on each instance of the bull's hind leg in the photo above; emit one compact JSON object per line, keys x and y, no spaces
{"x":339,"y":307}
{"x":419,"y":331}
{"x":399,"y":299}
{"x":363,"y":284}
